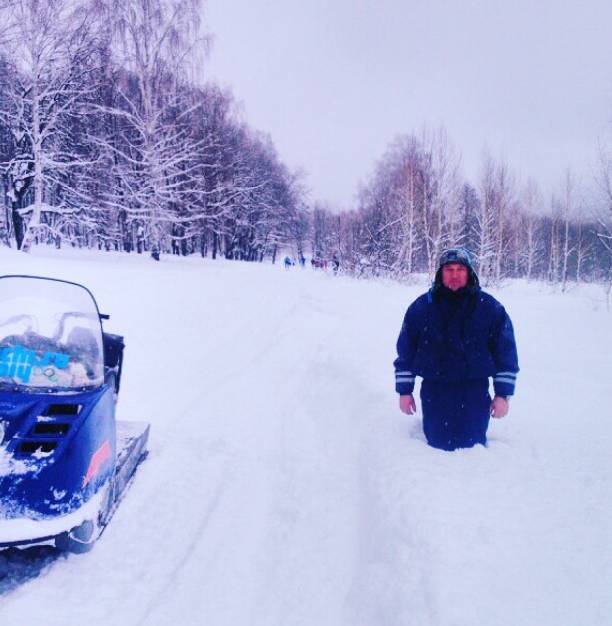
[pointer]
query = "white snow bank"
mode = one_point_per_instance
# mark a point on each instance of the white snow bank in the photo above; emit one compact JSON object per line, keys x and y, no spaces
{"x":285,"y":487}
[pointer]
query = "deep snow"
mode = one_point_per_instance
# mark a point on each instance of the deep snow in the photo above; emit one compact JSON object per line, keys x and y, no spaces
{"x":284,"y":486}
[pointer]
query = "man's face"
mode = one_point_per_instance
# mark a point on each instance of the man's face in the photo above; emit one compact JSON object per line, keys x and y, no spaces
{"x":454,"y":276}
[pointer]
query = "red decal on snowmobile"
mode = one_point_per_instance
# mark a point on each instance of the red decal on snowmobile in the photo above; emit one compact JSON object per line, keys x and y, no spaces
{"x":103,"y":453}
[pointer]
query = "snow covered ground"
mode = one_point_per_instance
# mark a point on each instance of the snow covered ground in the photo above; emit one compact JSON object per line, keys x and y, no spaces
{"x":284,"y":487}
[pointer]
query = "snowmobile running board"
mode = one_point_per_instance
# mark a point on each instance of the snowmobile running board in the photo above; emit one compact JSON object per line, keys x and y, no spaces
{"x":131,"y":440}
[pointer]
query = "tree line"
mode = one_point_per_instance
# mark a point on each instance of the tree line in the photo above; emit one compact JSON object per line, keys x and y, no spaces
{"x":417,"y":203}
{"x":106,"y":141}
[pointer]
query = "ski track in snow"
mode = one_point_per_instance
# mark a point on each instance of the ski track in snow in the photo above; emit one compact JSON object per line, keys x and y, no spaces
{"x":283,"y":486}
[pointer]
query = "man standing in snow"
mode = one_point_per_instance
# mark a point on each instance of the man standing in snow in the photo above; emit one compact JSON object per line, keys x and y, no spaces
{"x":455,"y":337}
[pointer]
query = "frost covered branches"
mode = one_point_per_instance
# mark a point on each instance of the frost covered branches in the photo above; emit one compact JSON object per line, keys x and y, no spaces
{"x":604,"y":213}
{"x":49,"y":57}
{"x":416,"y":203}
{"x":409,"y":209}
{"x":108,"y":143}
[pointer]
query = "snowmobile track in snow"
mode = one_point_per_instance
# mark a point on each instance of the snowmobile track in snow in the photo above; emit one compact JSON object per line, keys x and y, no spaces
{"x":18,"y":566}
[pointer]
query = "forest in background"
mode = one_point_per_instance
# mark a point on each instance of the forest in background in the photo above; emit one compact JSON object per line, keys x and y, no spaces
{"x":109,"y":141}
{"x":417,"y":203}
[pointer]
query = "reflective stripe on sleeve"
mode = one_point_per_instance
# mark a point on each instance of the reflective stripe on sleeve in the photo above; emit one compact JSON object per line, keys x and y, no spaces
{"x":404,"y":377}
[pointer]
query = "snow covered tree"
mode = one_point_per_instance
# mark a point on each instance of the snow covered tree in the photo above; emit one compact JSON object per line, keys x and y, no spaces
{"x":529,"y":230}
{"x":152,"y":150}
{"x":49,"y":52}
{"x":405,"y":202}
{"x":584,"y":247}
{"x":469,"y":207}
{"x":441,"y":196}
{"x":410,"y":207}
{"x":604,"y":214}
{"x":484,"y":252}
{"x":497,"y":199}
{"x":567,"y":208}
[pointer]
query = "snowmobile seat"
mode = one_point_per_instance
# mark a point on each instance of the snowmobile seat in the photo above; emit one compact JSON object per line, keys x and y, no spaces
{"x":82,"y":340}
{"x":82,"y":345}
{"x":113,"y":358}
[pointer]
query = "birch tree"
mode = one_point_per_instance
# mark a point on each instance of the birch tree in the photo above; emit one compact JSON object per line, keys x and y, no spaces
{"x":504,"y":204}
{"x":604,"y":218}
{"x":530,"y":229}
{"x":155,"y":155}
{"x":441,"y":196}
{"x":567,"y":209}
{"x":485,"y":221}
{"x":49,"y":51}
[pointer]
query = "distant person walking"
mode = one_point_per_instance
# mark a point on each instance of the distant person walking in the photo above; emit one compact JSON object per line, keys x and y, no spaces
{"x":455,"y":337}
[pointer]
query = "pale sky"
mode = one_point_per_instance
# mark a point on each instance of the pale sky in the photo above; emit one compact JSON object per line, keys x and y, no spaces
{"x":334,"y":81}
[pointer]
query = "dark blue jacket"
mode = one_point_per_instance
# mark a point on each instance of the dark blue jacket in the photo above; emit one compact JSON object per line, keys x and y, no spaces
{"x":455,"y":337}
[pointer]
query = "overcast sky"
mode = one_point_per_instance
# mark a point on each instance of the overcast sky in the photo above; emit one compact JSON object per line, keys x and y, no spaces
{"x":334,"y":81}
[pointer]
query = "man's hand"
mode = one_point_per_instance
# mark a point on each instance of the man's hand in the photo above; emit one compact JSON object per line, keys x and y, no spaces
{"x":499,"y":407}
{"x":407,"y":405}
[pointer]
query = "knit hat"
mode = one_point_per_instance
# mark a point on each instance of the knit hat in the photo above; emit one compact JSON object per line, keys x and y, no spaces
{"x":456,"y":255}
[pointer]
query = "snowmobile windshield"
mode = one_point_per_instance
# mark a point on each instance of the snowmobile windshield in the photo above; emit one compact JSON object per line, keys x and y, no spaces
{"x":50,"y":336}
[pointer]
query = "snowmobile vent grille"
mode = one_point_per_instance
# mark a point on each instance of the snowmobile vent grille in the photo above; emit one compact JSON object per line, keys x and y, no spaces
{"x":62,"y":409}
{"x":30,"y":447}
{"x":54,"y":429}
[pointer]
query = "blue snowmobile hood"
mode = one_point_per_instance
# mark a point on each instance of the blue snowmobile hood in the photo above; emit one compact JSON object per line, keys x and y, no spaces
{"x":58,"y":450}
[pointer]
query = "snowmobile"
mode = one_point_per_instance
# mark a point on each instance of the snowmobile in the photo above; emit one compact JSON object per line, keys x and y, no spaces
{"x":65,"y":462}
